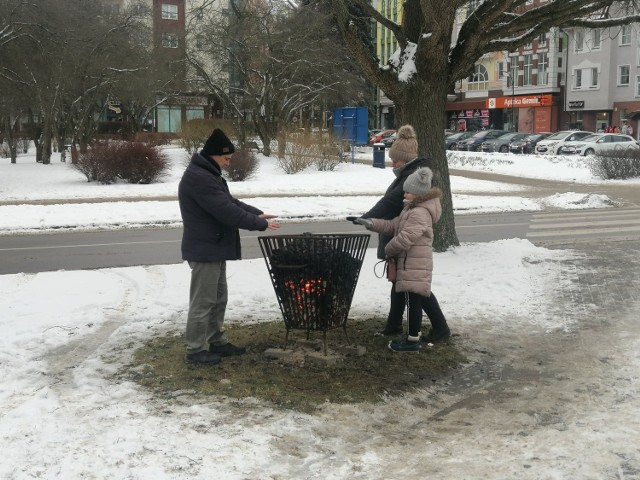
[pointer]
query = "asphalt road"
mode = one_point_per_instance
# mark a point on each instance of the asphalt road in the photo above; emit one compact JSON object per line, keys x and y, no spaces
{"x":115,"y":248}
{"x":118,"y":248}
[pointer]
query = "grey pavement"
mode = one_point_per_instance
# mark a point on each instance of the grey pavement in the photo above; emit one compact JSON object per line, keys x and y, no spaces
{"x":566,"y":403}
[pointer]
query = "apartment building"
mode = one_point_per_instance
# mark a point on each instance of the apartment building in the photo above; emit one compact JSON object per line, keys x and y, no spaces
{"x":517,"y":91}
{"x":168,"y":20}
{"x":572,"y":78}
{"x":520,"y":91}
{"x":603,"y":74}
{"x":386,"y":45}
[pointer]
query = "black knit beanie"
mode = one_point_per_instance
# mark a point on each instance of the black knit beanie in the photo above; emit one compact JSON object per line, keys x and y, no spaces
{"x":218,"y":144}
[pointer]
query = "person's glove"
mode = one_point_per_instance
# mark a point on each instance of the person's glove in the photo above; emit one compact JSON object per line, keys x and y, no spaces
{"x":352,"y":219}
{"x":366,"y":222}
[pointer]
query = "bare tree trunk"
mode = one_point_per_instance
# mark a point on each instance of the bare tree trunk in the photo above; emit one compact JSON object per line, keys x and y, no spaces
{"x":46,"y":141}
{"x":423,"y":107}
{"x":263,"y":131}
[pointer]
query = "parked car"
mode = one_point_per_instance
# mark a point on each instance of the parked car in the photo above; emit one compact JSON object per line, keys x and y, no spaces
{"x":472,"y":144}
{"x":501,"y":144}
{"x":451,"y":141}
{"x":378,"y":137}
{"x":551,"y":145}
{"x":389,"y":140}
{"x":528,"y":143}
{"x":599,"y":143}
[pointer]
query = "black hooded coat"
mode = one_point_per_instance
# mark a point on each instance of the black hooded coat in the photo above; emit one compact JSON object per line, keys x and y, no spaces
{"x":211,"y":216}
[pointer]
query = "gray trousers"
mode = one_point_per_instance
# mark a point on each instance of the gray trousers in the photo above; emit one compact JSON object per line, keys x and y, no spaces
{"x":207,"y":305}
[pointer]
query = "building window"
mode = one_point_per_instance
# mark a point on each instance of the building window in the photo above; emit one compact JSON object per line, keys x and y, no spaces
{"x":194,"y":113}
{"x":169,"y":40}
{"x":623,"y":75}
{"x":542,"y":40}
{"x":169,"y":12}
{"x":513,"y":73}
{"x":596,"y":41}
{"x":479,"y":80}
{"x":594,"y":77}
{"x":543,"y":65}
{"x":579,"y":40}
{"x":625,"y":35}
{"x":169,"y":119}
{"x":578,"y":83}
{"x":638,"y":86}
{"x":528,"y":70}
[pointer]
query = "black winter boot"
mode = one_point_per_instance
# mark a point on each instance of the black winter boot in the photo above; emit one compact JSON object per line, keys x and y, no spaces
{"x":439,"y":328}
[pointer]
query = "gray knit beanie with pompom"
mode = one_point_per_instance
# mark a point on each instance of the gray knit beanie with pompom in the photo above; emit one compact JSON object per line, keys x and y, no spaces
{"x":405,"y":146}
{"x":419,"y":182}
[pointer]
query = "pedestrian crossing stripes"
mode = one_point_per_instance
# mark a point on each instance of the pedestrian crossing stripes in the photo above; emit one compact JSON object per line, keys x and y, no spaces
{"x":585,"y":224}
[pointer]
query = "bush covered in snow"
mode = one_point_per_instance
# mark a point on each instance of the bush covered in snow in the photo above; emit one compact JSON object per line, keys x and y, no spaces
{"x":132,"y":162}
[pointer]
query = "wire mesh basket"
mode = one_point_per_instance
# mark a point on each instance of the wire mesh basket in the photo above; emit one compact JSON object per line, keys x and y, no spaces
{"x":314,"y":277}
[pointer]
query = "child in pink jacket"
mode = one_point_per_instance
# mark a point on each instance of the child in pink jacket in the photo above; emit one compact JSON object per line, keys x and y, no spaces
{"x":411,"y":245}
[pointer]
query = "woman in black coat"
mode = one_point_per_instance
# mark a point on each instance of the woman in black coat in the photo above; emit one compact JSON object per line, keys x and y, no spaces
{"x":404,"y":159}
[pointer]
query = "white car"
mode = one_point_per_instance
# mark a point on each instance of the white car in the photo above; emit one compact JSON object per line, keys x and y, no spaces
{"x":551,"y":145}
{"x":598,"y":143}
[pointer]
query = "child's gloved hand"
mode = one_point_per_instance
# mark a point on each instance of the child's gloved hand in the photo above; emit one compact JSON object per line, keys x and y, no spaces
{"x":368,"y":224}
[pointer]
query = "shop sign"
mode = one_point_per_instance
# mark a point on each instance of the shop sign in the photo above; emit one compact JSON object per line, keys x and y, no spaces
{"x":522,"y":101}
{"x":576,"y":104}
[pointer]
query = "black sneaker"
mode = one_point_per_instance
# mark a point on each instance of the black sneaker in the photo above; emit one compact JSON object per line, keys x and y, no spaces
{"x":435,"y":337}
{"x":203,"y":357}
{"x":227,"y":350}
{"x":404,"y":345}
{"x":389,"y":330}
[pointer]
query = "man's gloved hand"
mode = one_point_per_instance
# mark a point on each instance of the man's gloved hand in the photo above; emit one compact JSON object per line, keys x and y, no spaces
{"x":352,"y":219}
{"x":368,"y":224}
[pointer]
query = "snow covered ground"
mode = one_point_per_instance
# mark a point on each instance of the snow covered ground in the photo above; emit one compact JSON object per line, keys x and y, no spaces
{"x":63,"y":333}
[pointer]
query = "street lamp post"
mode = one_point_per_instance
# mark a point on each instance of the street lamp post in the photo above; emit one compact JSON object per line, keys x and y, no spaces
{"x":514,"y":125}
{"x":509,"y":75}
{"x":513,"y":97}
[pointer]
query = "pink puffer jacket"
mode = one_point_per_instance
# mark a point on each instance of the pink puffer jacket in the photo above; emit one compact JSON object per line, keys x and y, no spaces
{"x":412,"y":241}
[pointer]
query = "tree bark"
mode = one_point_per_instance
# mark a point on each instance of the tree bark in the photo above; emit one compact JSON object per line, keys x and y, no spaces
{"x":423,"y":104}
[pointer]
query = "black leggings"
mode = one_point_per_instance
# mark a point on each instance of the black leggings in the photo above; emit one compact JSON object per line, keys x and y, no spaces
{"x":430,"y":306}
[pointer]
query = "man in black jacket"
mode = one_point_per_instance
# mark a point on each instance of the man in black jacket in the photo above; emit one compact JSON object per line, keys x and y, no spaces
{"x":212,"y":219}
{"x":404,"y":159}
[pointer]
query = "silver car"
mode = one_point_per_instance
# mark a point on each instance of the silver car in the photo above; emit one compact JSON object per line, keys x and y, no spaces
{"x":599,"y":143}
{"x":551,"y":145}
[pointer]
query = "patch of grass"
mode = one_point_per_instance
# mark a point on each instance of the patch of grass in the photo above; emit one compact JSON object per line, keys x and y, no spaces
{"x":160,"y":366}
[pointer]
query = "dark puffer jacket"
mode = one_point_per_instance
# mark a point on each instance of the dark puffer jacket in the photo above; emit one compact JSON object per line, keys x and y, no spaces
{"x":391,"y":204}
{"x":211,"y":216}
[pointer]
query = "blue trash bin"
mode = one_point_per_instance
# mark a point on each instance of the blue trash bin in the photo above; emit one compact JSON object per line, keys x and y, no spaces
{"x":378,"y":155}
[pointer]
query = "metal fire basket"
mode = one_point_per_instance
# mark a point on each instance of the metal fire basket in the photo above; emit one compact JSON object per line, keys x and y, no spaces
{"x":314,"y":277}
